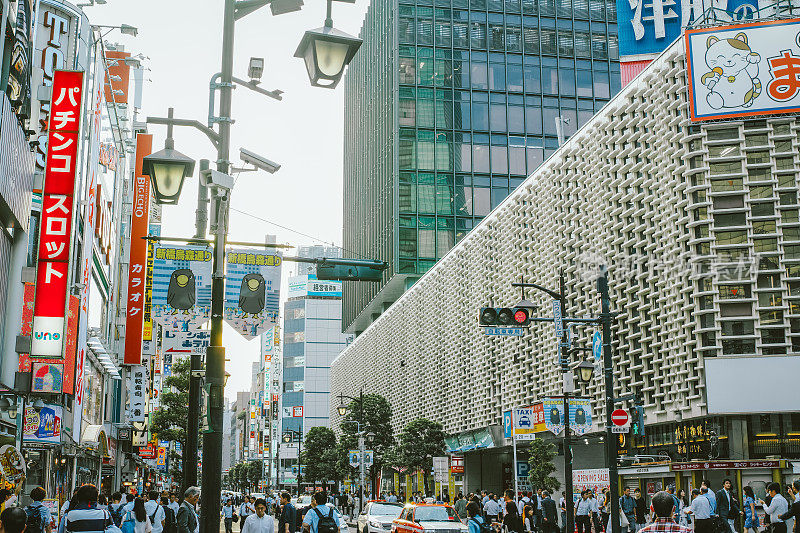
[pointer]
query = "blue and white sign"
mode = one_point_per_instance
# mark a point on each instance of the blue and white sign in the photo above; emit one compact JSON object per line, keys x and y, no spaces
{"x":597,"y":346}
{"x":580,"y":416}
{"x":181,"y":286}
{"x":310,"y":286}
{"x":353,"y":456}
{"x":648,"y":27}
{"x":504,"y":332}
{"x":553,"y":415}
{"x":252,"y":290}
{"x":557,"y":319}
{"x":508,"y":426}
{"x":523,"y":468}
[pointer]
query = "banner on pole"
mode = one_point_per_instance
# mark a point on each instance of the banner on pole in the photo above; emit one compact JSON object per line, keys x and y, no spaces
{"x":252,"y":290}
{"x":181,"y":286}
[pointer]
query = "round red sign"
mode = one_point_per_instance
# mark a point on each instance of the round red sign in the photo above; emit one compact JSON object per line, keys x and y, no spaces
{"x":620,"y":417}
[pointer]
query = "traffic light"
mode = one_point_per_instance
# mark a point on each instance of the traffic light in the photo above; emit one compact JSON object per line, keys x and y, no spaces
{"x":350,"y":270}
{"x":637,"y":420}
{"x":508,"y":317}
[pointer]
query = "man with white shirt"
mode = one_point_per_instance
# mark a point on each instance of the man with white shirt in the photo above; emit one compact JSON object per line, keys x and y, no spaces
{"x":155,"y":512}
{"x":491,"y":509}
{"x":173,"y":504}
{"x":260,"y":522}
{"x":700,"y":509}
{"x":776,"y":508}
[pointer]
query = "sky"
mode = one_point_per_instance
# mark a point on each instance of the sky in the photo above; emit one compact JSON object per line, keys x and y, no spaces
{"x":182,"y":41}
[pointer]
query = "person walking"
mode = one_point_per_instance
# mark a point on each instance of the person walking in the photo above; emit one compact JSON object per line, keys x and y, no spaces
{"x":188,"y":522}
{"x":174,"y":504}
{"x":461,"y":507}
{"x":562,"y":505}
{"x":663,"y":506}
{"x":138,"y":518}
{"x":700,"y":509}
{"x":705,"y":490}
{"x":750,"y":515}
{"x":683,"y":503}
{"x":628,"y":507}
{"x":605,"y":507}
{"x":727,"y":506}
{"x":511,"y":519}
{"x":288,"y":515}
{"x":491,"y":509}
{"x":260,"y":521}
{"x":39,"y":519}
{"x":155,"y":512}
{"x":475,"y":521}
{"x":228,"y":513}
{"x":83,"y":516}
{"x":320,"y":518}
{"x":549,"y":514}
{"x":640,"y":512}
{"x":13,"y":520}
{"x":245,"y":510}
{"x":595,"y":511}
{"x":794,"y":507}
{"x":777,"y":506}
{"x":170,"y":523}
{"x":583,"y":514}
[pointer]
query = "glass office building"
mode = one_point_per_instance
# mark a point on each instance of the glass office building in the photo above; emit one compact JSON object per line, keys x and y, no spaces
{"x":449,"y":105}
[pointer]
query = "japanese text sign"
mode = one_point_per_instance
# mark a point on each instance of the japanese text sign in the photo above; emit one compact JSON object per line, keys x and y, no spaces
{"x":42,"y":425}
{"x":744,"y":70}
{"x":252,"y":290}
{"x":137,"y":393}
{"x":57,"y":214}
{"x":138,"y":255}
{"x":528,"y":421}
{"x":181,"y":286}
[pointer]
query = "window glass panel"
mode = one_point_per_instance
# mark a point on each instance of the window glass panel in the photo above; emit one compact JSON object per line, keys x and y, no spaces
{"x":564,"y":8}
{"x":408,"y":200}
{"x":581,"y":9}
{"x":548,"y":40}
{"x":565,"y":46}
{"x":460,"y":35}
{"x":444,"y":200}
{"x":550,"y":80}
{"x":516,"y":119}
{"x":477,"y":34}
{"x":444,"y":154}
{"x":596,"y":9}
{"x":444,"y":114}
{"x":583,"y":46}
{"x":533,"y":120}
{"x":425,"y":157}
{"x":480,"y":158}
{"x":599,"y":45}
{"x":408,"y":242}
{"x":424,"y":31}
{"x":496,"y":37}
{"x":513,"y":39}
{"x":500,"y":160}
{"x":406,"y":30}
{"x":530,"y":37}
{"x":479,"y":76}
{"x":425,"y":71}
{"x":566,"y":82}
{"x":443,"y":33}
{"x":497,"y":117}
{"x":601,"y":87}
{"x":514,"y":78}
{"x":547,"y":8}
{"x":584,"y":82}
{"x":482,"y":203}
{"x":480,"y":116}
{"x":533,"y":81}
{"x":443,"y":75}
{"x":529,"y":7}
{"x":497,"y":76}
{"x":407,"y":111}
{"x":424,"y":111}
{"x":461,"y":118}
{"x":407,"y":70}
{"x":516,"y":157}
{"x":406,"y":156}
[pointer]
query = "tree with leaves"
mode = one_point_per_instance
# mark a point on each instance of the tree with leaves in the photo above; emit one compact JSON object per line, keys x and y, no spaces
{"x":540,"y":463}
{"x":319,"y":455}
{"x":170,"y":420}
{"x":375,"y":418}
{"x":254,"y":473}
{"x":419,"y":442}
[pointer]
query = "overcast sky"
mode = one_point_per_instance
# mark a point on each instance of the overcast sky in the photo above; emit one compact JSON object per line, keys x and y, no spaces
{"x":183,"y":41}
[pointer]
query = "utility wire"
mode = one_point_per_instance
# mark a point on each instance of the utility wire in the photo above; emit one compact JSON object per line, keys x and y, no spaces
{"x":298,"y":232}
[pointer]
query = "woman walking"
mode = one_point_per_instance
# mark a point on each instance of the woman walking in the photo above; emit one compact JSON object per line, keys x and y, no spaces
{"x":136,"y":520}
{"x":750,"y":515}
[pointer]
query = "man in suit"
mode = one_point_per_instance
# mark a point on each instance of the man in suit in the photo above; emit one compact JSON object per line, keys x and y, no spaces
{"x":187,"y":515}
{"x":549,"y":514}
{"x":727,"y":506}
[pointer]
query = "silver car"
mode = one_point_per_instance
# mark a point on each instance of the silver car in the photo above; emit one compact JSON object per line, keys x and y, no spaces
{"x":377,"y":517}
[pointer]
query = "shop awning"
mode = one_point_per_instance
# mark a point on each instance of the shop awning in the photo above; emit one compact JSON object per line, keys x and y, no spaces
{"x":95,"y":437}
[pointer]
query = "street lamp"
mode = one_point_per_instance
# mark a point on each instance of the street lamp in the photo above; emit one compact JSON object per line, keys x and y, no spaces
{"x":342,"y":409}
{"x":326,"y":51}
{"x":585,"y":369}
{"x":167,"y":168}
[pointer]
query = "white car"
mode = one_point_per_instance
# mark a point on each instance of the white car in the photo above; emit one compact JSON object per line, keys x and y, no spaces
{"x":377,"y":517}
{"x":303,"y":501}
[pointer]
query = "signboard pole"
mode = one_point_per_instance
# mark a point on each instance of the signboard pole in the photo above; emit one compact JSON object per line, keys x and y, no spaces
{"x":514,"y":445}
{"x":567,"y":444}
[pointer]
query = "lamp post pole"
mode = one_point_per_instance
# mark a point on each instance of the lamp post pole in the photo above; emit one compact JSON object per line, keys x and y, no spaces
{"x":563,"y":347}
{"x":608,"y":362}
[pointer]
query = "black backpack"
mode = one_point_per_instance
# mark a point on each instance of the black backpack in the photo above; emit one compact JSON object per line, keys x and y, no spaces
{"x":483,"y":527}
{"x":116,"y":514}
{"x":326,"y":524}
{"x":34,"y":524}
{"x":170,"y":523}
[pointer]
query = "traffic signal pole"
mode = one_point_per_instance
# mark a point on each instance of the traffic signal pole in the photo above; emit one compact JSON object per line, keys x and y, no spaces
{"x":608,"y":374}
{"x":563,"y":347}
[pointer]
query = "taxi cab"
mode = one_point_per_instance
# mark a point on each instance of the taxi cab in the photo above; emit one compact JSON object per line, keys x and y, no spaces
{"x":428,"y":518}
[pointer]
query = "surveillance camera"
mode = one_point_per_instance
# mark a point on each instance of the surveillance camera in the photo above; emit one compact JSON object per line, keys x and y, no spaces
{"x":258,"y":161}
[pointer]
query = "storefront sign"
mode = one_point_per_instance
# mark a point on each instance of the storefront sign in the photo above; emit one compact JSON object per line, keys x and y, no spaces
{"x":12,"y":464}
{"x":457,"y":464}
{"x":138,"y":254}
{"x":310,"y":286}
{"x":148,"y":452}
{"x":103,"y":223}
{"x":47,"y":377}
{"x":595,"y":479}
{"x":118,"y":77}
{"x":108,"y":155}
{"x":57,"y":214}
{"x":724,"y":465}
{"x":42,"y":425}
{"x":137,"y":393}
{"x":19,"y":75}
{"x":181,"y":286}
{"x":743,"y":70}
{"x":177,"y":344}
{"x":147,"y":330}
{"x":252,"y":291}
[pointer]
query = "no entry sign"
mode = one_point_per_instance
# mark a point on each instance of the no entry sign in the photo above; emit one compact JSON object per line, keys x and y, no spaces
{"x":620,"y":417}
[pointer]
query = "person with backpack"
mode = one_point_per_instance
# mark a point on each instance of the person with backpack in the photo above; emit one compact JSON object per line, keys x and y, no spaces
{"x":39,"y":519}
{"x":476,"y":523}
{"x":116,"y":508}
{"x":12,"y":520}
{"x":155,"y":512}
{"x":170,"y":523}
{"x":136,"y":520}
{"x":321,"y":518}
{"x":260,"y":522}
{"x":83,"y":516}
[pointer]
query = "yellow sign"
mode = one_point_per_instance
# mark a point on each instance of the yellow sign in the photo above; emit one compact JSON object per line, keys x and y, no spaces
{"x":397,"y":482}
{"x":408,"y":487}
{"x":452,"y":487}
{"x":420,"y":480}
{"x":438,"y":490}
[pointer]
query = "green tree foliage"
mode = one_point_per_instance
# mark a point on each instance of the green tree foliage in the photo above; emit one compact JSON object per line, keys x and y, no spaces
{"x":320,"y":455}
{"x":419,"y":442}
{"x":541,"y":465}
{"x":375,"y":417}
{"x":170,"y":420}
{"x":253,"y":473}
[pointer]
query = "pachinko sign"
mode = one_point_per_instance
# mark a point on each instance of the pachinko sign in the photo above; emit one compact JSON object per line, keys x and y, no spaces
{"x":49,"y":310}
{"x":42,"y":425}
{"x":744,"y":70}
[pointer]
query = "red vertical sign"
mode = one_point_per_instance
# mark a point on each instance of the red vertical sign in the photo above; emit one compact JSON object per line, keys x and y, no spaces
{"x":57,"y":214}
{"x":138,"y":259}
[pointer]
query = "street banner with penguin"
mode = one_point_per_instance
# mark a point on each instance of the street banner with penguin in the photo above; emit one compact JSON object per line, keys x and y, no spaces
{"x":181,"y":298}
{"x":252,"y":290}
{"x":580,"y":415}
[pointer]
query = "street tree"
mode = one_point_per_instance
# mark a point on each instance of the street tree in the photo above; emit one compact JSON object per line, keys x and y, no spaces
{"x":540,"y":464}
{"x":254,"y":473}
{"x":170,"y":420}
{"x":419,"y":442}
{"x":374,"y":416}
{"x":320,"y":455}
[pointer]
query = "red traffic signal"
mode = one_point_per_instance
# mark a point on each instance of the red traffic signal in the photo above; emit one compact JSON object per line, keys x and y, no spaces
{"x":504,"y":316}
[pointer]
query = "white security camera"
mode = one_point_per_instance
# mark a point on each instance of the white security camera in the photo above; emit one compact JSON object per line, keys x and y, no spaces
{"x":258,"y":161}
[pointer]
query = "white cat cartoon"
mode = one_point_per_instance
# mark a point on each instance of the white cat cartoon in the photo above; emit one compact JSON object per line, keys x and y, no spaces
{"x":733,"y":79}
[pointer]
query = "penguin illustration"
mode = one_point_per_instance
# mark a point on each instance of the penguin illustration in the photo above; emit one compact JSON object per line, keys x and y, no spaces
{"x":555,"y":416}
{"x":251,"y":294}
{"x":181,"y":290}
{"x":580,"y":416}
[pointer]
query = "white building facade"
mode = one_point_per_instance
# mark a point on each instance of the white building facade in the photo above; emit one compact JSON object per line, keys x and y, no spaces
{"x":698,"y":225}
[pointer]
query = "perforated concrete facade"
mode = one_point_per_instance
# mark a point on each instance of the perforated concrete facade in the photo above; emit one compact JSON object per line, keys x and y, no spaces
{"x":695,"y":223}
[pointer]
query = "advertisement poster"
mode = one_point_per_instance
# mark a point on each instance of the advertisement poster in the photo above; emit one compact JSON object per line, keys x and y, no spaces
{"x":181,"y":287}
{"x":42,"y":425}
{"x":594,"y":479}
{"x":553,"y":414}
{"x":47,"y":377}
{"x":252,"y":291}
{"x":580,"y":416}
{"x":12,"y":464}
{"x":744,"y":70}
